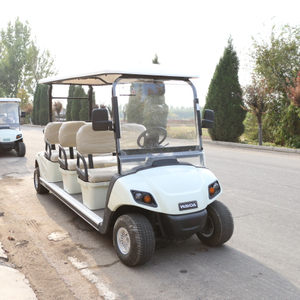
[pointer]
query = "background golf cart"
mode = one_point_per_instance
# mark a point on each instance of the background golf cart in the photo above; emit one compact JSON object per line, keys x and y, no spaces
{"x":11,"y":137}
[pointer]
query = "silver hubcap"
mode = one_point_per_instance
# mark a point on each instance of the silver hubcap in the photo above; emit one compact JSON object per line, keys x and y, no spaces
{"x":36,"y":179}
{"x":209,"y":227}
{"x":123,"y":240}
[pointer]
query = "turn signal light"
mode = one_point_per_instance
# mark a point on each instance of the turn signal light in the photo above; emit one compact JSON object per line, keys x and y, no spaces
{"x":143,"y":198}
{"x":147,"y":199}
{"x":214,"y":189}
{"x":18,"y":136}
{"x":211,"y":190}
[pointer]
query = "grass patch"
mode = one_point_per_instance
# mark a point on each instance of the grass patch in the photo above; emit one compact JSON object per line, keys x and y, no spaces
{"x":185,"y":132}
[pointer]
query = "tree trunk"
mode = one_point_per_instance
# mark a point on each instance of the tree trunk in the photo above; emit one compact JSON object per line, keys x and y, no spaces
{"x":259,"y":121}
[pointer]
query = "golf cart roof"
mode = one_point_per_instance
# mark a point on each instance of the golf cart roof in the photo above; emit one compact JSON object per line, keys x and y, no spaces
{"x":109,"y":76}
{"x":10,"y":100}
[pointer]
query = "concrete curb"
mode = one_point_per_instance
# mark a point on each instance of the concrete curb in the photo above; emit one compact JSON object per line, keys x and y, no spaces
{"x":257,"y":147}
{"x":14,"y":285}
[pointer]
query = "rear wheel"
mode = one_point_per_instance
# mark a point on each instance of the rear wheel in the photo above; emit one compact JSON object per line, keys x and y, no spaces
{"x":133,"y":239}
{"x":219,"y":225}
{"x":40,"y":189}
{"x":21,"y":149}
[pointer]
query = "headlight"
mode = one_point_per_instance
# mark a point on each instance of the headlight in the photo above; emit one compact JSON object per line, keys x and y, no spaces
{"x":19,"y":136}
{"x":214,"y":189}
{"x":144,"y":198}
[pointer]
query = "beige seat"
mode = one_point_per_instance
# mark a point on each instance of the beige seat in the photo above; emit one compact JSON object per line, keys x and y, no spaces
{"x":67,"y":139}
{"x":50,"y":157}
{"x":51,"y":140}
{"x":96,"y":165}
{"x":95,"y":153}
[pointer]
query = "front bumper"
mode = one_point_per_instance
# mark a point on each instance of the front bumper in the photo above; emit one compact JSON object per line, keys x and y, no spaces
{"x":181,"y":226}
{"x":7,"y":146}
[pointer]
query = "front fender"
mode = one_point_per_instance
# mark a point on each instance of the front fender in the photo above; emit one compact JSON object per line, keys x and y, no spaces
{"x":169,"y":185}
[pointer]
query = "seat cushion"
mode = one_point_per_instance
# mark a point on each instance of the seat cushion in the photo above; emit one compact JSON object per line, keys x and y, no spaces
{"x":101,"y":174}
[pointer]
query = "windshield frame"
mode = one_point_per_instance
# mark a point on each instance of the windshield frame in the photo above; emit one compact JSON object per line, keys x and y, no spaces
{"x":15,"y":123}
{"x":157,"y":154}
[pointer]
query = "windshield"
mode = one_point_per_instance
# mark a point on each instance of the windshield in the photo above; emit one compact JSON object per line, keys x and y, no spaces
{"x":9,"y":114}
{"x":157,"y":124}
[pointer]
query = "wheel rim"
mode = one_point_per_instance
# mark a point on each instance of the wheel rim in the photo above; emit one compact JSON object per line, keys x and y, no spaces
{"x":123,"y":240}
{"x":208,"y":228}
{"x":36,"y":179}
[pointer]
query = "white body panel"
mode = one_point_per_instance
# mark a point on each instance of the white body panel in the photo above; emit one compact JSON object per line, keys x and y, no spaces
{"x":48,"y":170}
{"x":9,"y":135}
{"x":169,"y":185}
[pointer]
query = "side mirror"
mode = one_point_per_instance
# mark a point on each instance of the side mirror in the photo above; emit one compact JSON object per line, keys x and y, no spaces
{"x":23,"y":114}
{"x":100,"y":120}
{"x":208,"y":119}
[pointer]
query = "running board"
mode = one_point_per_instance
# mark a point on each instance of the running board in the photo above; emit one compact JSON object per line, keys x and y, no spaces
{"x":80,"y":209}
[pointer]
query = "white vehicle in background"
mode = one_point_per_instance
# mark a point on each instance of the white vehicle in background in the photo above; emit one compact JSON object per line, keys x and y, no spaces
{"x":11,"y":137}
{"x":126,"y":171}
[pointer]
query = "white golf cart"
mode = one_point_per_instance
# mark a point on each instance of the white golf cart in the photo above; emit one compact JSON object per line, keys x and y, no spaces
{"x":10,"y":132}
{"x":129,"y":169}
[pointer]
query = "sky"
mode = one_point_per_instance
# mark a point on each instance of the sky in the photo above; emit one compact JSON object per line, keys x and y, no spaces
{"x":91,"y":35}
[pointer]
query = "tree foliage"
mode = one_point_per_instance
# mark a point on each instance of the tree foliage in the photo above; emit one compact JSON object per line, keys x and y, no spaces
{"x":224,"y":98}
{"x":277,"y":59}
{"x":293,"y":90}
{"x":22,"y":63}
{"x":40,"y":105}
{"x":155,"y":60}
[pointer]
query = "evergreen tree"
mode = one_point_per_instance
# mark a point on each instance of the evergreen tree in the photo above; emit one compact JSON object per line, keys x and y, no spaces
{"x":35,"y":105}
{"x":77,"y":103}
{"x":43,"y":108}
{"x":224,"y":99}
{"x":84,"y":111}
{"x":69,"y":103}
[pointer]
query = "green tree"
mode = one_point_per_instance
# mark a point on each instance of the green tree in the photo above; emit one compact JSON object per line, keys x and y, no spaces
{"x":40,"y":65}
{"x":155,"y":60}
{"x":224,"y":99}
{"x":15,"y":42}
{"x":77,"y":103}
{"x":69,"y":103}
{"x":43,"y":108}
{"x":36,"y":105}
{"x":277,"y":59}
{"x":22,"y":63}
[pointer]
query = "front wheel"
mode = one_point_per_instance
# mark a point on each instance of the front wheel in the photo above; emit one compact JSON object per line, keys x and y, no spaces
{"x":21,"y":149}
{"x":219,"y":226}
{"x":133,"y":239}
{"x":40,"y":189}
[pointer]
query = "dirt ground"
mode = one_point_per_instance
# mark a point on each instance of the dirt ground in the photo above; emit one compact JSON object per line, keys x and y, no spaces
{"x":25,"y":234}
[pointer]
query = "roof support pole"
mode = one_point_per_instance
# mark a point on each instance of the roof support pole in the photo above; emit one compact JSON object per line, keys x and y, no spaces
{"x":90,"y":95}
{"x":50,"y":103}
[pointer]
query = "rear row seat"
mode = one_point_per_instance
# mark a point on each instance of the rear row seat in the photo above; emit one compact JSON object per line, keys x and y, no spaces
{"x":85,"y":158}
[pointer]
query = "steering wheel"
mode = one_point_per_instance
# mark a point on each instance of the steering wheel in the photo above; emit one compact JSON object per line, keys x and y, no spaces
{"x":8,"y":120}
{"x":151,"y":137}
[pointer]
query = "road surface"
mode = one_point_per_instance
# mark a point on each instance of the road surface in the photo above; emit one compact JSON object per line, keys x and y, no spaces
{"x":64,"y":258}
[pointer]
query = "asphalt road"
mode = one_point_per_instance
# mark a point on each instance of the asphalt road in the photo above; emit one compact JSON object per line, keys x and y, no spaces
{"x":261,"y":261}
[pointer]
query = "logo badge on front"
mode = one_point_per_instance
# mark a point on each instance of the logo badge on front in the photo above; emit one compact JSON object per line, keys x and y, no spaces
{"x":188,"y":205}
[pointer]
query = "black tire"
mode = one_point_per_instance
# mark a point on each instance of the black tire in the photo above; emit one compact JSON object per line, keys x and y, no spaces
{"x":40,"y":189}
{"x":219,"y":225}
{"x":21,"y":149}
{"x":133,"y":239}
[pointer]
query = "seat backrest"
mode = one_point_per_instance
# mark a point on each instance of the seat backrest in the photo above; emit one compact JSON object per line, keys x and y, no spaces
{"x":51,"y":132}
{"x":89,"y":141}
{"x":67,"y":133}
{"x":51,"y":140}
